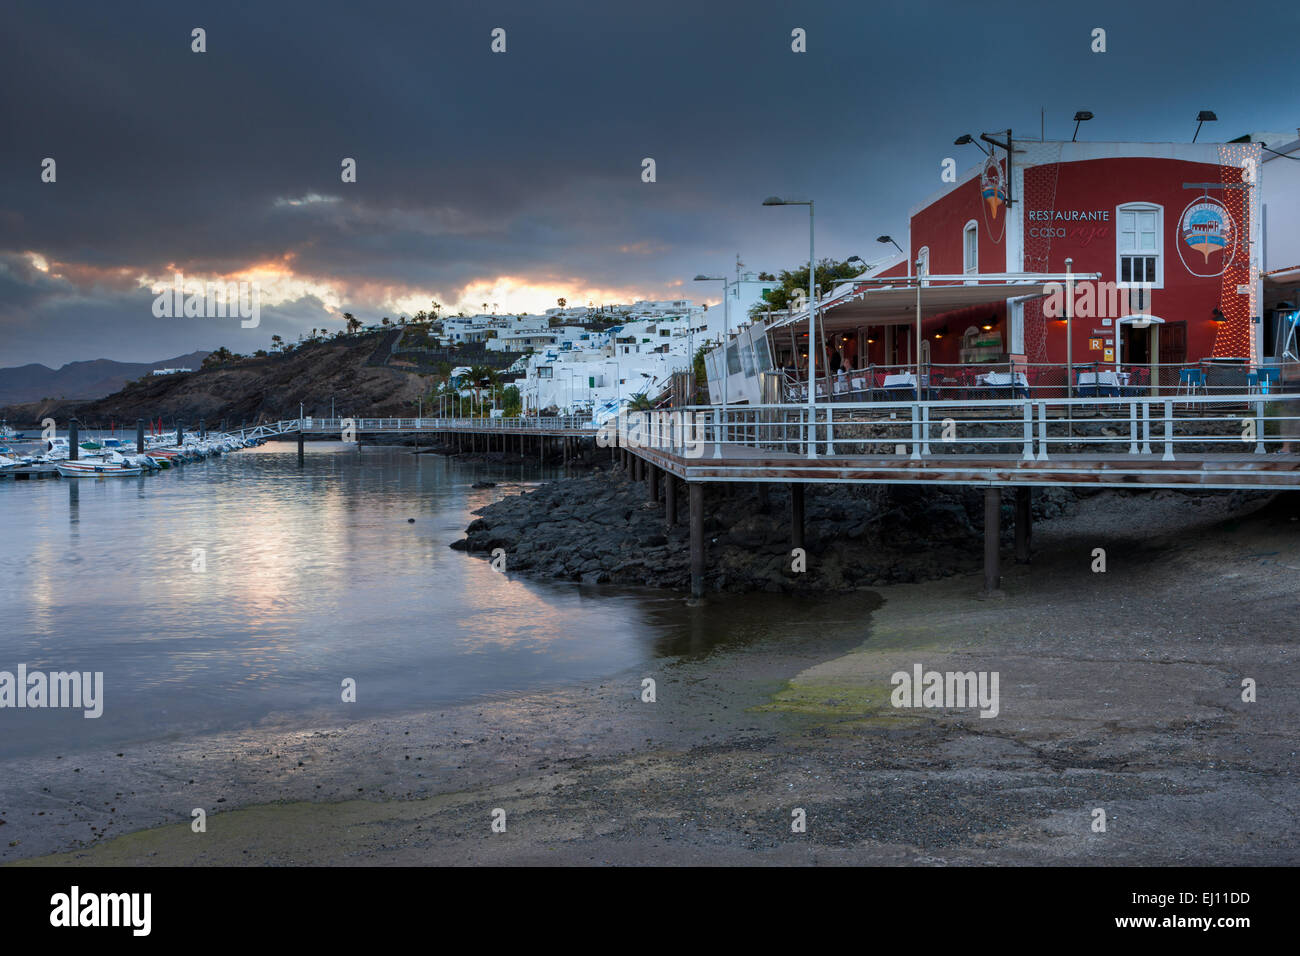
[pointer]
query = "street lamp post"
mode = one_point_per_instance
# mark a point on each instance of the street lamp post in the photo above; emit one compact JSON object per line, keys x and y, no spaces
{"x":812,"y":313}
{"x":726,"y":336}
{"x":918,"y":328}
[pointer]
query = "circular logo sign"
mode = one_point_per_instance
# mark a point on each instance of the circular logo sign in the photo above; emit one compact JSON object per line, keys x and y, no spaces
{"x":1207,"y":237}
{"x":993,"y":189}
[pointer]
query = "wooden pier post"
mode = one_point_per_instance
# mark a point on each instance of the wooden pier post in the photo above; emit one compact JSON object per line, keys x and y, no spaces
{"x":697,"y":539}
{"x":203,"y":428}
{"x":1024,"y":524}
{"x":652,"y":486}
{"x":670,"y":500}
{"x":796,"y":515}
{"x":300,"y":458}
{"x":992,"y":538}
{"x":74,"y":436}
{"x":139,"y":436}
{"x":180,"y":434}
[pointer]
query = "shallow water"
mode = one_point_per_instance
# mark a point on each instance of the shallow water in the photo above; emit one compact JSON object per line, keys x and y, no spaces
{"x":309,"y":576}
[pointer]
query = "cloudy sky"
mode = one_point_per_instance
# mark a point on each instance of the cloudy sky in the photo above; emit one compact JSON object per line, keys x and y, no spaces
{"x":515,"y":178}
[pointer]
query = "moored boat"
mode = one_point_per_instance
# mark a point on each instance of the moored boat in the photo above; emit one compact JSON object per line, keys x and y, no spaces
{"x":97,"y":468}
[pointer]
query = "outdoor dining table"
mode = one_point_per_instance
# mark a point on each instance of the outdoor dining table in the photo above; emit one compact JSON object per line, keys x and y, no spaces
{"x":1003,"y":380}
{"x":901,"y":382}
{"x":1095,"y":382}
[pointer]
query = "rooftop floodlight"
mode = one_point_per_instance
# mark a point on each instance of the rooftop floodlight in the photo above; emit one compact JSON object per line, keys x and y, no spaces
{"x":1080,"y":117}
{"x":965,"y":139}
{"x":1204,"y":116}
{"x":773,"y":201}
{"x":887,"y":239}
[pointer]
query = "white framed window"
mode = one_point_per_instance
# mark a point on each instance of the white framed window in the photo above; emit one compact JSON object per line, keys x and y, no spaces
{"x":1139,"y":249}
{"x":970,"y":248}
{"x":923,"y":263}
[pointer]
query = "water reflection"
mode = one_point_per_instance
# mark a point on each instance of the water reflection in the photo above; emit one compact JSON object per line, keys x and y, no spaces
{"x":311,"y":576}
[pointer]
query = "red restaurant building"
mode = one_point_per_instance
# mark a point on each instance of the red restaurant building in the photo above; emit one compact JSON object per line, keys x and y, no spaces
{"x":1170,"y":225}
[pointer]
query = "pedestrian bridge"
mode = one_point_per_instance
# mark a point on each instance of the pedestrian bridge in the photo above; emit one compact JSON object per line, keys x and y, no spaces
{"x":1245,"y":441}
{"x":336,"y":427}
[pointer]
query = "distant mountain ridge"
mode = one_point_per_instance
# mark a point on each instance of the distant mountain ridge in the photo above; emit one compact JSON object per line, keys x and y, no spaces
{"x":80,"y":380}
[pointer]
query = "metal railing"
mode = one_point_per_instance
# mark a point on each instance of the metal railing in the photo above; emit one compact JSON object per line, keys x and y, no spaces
{"x":1031,"y":430}
{"x":987,"y":381}
{"x":336,"y":426}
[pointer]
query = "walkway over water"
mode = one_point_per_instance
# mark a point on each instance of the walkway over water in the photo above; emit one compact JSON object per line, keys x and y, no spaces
{"x":1221,"y":441}
{"x":1198,"y":442}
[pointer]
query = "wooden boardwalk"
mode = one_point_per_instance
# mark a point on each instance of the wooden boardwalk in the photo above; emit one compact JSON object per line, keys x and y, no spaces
{"x":743,"y":463}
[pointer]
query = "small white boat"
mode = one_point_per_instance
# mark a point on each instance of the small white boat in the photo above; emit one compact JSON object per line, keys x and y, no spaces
{"x":97,"y":468}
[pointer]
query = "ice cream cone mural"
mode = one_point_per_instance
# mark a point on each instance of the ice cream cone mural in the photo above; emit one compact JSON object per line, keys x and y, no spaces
{"x":1206,"y":229}
{"x":993,"y":188}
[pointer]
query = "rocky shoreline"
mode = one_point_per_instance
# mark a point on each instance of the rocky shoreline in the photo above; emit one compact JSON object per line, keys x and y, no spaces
{"x":600,"y":528}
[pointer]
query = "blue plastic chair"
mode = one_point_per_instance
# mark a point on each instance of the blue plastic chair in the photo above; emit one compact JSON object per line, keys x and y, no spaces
{"x":1190,"y":381}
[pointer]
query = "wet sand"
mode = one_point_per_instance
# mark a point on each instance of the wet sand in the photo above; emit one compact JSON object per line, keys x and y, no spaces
{"x":1118,"y":691}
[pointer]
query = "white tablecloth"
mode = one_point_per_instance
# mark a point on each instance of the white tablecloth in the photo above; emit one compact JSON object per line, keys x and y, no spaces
{"x":1002,"y":378}
{"x":1112,"y":379}
{"x":904,"y":380}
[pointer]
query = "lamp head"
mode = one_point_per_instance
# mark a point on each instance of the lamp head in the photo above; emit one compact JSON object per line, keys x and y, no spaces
{"x":1082,"y":116}
{"x":773,"y":201}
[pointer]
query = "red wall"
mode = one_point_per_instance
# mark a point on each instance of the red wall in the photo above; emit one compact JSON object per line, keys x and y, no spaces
{"x":1099,"y":184}
{"x":1105,"y":184}
{"x":939,"y":226}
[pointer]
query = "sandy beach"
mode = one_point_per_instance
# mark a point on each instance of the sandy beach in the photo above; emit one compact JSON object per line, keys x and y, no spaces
{"x":1119,"y":691}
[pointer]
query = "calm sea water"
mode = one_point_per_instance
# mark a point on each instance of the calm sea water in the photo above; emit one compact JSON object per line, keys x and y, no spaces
{"x":312,"y":575}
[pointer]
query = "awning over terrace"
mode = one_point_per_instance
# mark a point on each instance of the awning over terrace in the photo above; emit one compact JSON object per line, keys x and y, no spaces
{"x":894,"y":306}
{"x":893,"y":301}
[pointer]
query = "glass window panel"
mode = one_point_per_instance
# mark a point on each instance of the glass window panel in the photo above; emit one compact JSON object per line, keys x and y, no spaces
{"x":1125,"y":269}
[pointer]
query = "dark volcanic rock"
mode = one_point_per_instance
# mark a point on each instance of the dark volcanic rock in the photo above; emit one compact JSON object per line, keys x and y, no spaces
{"x":600,"y":528}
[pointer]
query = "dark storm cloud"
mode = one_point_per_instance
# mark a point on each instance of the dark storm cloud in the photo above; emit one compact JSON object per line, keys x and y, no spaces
{"x":473,"y":165}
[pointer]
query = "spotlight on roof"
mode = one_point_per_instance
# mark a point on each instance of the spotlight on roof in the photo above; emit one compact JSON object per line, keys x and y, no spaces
{"x":1204,"y":116}
{"x":1080,"y":117}
{"x":965,"y":139}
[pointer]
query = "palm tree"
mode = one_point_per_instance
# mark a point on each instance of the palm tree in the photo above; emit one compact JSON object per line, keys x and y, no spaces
{"x":562,"y":302}
{"x":640,"y":402}
{"x":353,"y":322}
{"x":480,"y":376}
